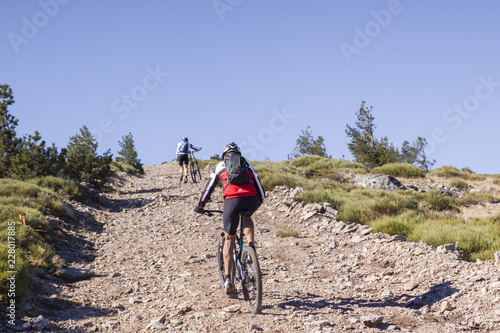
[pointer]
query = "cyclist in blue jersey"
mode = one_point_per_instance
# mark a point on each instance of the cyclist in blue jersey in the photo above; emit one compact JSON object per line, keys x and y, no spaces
{"x":182,"y":156}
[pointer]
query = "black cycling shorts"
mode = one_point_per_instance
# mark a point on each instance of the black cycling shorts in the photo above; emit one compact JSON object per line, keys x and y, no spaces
{"x":183,"y":159}
{"x":232,"y":207}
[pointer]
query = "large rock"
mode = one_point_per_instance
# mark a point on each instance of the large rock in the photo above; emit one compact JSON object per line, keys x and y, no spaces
{"x":73,"y":274}
{"x":379,"y":182}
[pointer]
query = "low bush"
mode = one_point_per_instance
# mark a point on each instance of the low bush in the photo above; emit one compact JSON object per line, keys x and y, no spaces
{"x":34,"y":236}
{"x":123,"y":166}
{"x":459,"y":184}
{"x":435,"y":201}
{"x":305,"y":160}
{"x":60,"y":185}
{"x":288,"y":232}
{"x":475,"y":240}
{"x":405,"y":170}
{"x":26,"y":194}
{"x":395,"y":225}
{"x":448,"y":171}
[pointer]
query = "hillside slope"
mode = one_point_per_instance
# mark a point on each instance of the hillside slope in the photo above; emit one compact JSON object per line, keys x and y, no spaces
{"x":154,"y":268}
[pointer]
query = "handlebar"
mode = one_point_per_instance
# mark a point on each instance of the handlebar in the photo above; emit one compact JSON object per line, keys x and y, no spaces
{"x":210,"y":212}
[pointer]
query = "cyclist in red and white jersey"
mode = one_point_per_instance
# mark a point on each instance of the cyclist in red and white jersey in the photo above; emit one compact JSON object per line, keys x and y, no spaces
{"x":247,"y":196}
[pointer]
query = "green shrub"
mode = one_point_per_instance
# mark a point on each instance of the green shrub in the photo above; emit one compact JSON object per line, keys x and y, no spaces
{"x":473,"y":239}
{"x":459,"y":184}
{"x":30,"y":252}
{"x":26,"y":194}
{"x":288,"y":232}
{"x":452,"y":172}
{"x":123,"y":166}
{"x":474,"y":198}
{"x":435,"y":201}
{"x":305,"y":160}
{"x":62,"y":186}
{"x":399,"y":170}
{"x":446,"y":171}
{"x":398,"y":225}
{"x":329,"y":167}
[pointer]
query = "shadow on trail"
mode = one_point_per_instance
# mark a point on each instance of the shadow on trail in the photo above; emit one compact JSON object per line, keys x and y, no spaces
{"x":306,"y":302}
{"x":313,"y":303}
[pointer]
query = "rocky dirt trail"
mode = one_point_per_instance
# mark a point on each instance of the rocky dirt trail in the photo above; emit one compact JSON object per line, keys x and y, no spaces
{"x":153,"y":268}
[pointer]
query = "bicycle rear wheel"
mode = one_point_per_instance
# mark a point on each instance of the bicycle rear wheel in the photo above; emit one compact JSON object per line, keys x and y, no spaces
{"x":252,"y":283}
{"x":198,"y":169}
{"x":194,"y":171}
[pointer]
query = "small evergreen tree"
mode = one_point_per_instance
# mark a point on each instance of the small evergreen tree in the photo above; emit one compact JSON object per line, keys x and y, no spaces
{"x":9,"y":142}
{"x":306,"y":144}
{"x":128,"y":154}
{"x":365,"y":148}
{"x":216,"y":157}
{"x":83,"y":162}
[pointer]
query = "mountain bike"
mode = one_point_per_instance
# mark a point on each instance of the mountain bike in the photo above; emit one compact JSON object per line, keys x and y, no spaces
{"x":245,"y":273}
{"x":194,"y":169}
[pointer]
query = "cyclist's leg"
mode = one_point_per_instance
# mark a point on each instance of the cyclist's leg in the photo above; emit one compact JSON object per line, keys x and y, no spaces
{"x":227,"y":253}
{"x":183,"y":162}
{"x":248,"y":229}
{"x":230,"y":221}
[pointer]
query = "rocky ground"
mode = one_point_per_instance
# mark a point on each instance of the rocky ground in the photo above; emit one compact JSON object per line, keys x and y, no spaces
{"x":143,"y":261}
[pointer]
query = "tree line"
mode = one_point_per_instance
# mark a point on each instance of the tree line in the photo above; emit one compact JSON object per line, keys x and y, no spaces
{"x":30,"y":156}
{"x":365,"y":147}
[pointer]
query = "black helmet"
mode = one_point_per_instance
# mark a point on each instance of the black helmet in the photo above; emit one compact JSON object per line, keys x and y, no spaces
{"x":185,"y":139}
{"x":231,"y":147}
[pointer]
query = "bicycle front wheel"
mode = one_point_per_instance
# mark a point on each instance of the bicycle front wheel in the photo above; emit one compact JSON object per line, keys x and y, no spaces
{"x":252,"y":282}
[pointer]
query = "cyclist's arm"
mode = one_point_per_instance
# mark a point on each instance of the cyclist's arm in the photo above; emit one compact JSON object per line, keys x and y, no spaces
{"x":213,"y":180}
{"x":194,"y":147}
{"x":178,"y":148}
{"x":260,"y":190}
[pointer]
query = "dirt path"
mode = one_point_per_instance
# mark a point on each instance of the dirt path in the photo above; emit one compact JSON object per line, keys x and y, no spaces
{"x":155,"y":267}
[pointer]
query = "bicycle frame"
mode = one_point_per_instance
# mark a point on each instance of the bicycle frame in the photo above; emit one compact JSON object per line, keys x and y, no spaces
{"x":245,"y":272}
{"x":238,"y":244}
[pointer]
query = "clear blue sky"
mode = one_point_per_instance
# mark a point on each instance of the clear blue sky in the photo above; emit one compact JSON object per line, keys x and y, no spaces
{"x":257,"y":73}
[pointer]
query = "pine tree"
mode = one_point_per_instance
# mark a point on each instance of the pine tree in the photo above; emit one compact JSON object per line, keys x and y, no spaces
{"x":365,"y":148}
{"x":83,"y":162}
{"x":35,"y":159}
{"x":128,"y":154}
{"x":306,"y":144}
{"x":9,"y":142}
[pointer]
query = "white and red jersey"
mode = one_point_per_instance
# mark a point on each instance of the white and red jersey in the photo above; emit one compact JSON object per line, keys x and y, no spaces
{"x":253,"y":187}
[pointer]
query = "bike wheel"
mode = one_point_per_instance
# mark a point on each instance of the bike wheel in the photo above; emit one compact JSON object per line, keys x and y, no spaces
{"x":252,"y":282}
{"x":192,"y":169}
